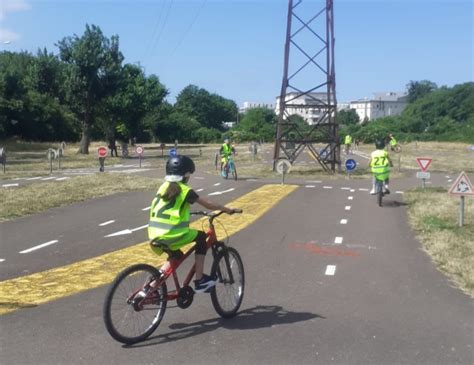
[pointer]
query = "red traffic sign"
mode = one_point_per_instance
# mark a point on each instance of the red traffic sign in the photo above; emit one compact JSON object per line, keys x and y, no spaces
{"x":102,"y":151}
{"x":139,"y":150}
{"x":424,"y":162}
{"x":462,"y":186}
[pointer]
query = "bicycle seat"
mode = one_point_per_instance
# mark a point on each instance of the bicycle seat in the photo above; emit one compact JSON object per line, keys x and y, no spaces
{"x":163,"y":246}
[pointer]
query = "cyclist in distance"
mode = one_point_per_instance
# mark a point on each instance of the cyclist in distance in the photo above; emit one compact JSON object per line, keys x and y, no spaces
{"x":380,"y":164}
{"x":169,"y":216}
{"x":225,"y":152}
{"x":392,"y":141}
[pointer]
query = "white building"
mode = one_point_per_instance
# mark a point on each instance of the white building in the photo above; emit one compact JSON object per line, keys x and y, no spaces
{"x":381,"y":105}
{"x":251,"y":105}
{"x":309,"y":106}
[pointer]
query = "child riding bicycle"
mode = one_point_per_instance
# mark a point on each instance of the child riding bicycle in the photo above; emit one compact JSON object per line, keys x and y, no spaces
{"x":169,"y":216}
{"x":225,"y":152}
{"x":380,"y":164}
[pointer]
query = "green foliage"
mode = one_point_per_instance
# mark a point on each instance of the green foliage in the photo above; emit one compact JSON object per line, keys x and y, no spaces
{"x":445,"y":114}
{"x":418,"y":89}
{"x":256,"y":124}
{"x":348,"y":117}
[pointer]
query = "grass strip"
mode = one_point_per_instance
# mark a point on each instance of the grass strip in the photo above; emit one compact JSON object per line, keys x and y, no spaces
{"x":37,"y":197}
{"x":434,"y":215}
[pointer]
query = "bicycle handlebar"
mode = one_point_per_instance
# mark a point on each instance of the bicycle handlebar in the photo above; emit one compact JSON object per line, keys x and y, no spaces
{"x":214,"y":215}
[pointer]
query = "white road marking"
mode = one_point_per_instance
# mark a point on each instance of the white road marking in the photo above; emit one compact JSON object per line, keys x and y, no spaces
{"x":198,"y":190}
{"x":330,"y":270}
{"x":217,"y":184}
{"x":327,"y":187}
{"x":63,"y":178}
{"x":251,"y":180}
{"x":447,"y":176}
{"x":48,"y":178}
{"x":221,"y":192}
{"x":34,"y":178}
{"x":363,"y":189}
{"x":1,"y":260}
{"x":126,"y":231}
{"x":106,"y":223}
{"x":314,"y":181}
{"x":350,"y":198}
{"x":338,"y":240}
{"x":147,"y":208}
{"x":39,"y":246}
{"x":399,"y":192}
{"x":347,"y":207}
{"x":352,"y":190}
{"x":343,"y":221}
{"x":450,"y":180}
{"x":198,"y":177}
{"x":345,"y":188}
{"x":10,"y":185}
{"x":310,"y":186}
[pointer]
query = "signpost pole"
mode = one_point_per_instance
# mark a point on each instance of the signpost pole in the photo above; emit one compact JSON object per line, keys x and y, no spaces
{"x":423,"y":183}
{"x":140,"y":161}
{"x":50,"y":163}
{"x":461,"y":212}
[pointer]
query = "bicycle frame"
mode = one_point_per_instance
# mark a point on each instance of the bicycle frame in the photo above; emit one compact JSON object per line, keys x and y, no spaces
{"x":176,"y":258}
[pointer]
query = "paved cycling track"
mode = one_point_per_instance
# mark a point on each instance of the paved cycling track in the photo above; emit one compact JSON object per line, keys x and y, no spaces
{"x":330,"y":278}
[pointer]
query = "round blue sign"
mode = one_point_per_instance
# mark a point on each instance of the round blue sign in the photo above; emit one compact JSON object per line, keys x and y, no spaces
{"x":350,"y":164}
{"x":173,"y":152}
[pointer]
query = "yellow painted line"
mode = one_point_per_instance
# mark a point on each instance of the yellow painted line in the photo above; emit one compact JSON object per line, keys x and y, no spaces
{"x":32,"y":290}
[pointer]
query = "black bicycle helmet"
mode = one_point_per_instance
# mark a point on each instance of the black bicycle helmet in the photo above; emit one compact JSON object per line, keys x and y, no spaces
{"x":180,"y":166}
{"x":380,"y":144}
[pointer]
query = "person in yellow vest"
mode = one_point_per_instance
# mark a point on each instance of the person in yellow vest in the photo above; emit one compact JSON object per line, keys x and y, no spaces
{"x":380,"y":164}
{"x":225,"y":152}
{"x":169,"y":216}
{"x":347,"y":143}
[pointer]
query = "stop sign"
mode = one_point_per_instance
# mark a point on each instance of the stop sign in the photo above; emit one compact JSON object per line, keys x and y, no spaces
{"x":102,"y":151}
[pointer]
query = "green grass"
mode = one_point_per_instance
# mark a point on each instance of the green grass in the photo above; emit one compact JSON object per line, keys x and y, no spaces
{"x":434,"y":216}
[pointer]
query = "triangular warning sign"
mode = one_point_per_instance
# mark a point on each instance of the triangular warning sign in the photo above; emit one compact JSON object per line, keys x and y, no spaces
{"x":423,"y":162}
{"x":462,"y":186}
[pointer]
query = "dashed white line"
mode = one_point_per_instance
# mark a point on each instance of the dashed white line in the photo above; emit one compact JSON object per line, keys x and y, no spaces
{"x":330,"y":270}
{"x":363,"y":189}
{"x":106,"y":223}
{"x":48,"y":178}
{"x":352,"y":190}
{"x":327,"y":187}
{"x":222,"y":192}
{"x":1,"y":260}
{"x":345,"y":188}
{"x":314,"y":181}
{"x":39,"y":246}
{"x":450,"y":180}
{"x":147,"y":208}
{"x":310,"y":186}
{"x":63,"y":178}
{"x":139,"y":228}
{"x":198,"y":190}
{"x":34,"y":178}
{"x":10,"y":185}
{"x":338,"y":240}
{"x":343,"y":221}
{"x":347,"y":207}
{"x":399,"y":192}
{"x":217,"y":184}
{"x":350,"y":198}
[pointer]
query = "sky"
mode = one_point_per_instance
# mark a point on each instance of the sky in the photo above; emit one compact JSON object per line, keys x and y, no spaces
{"x":235,"y":48}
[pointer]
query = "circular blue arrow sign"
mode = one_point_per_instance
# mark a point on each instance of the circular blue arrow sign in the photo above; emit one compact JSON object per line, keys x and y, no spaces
{"x":350,"y":164}
{"x":173,"y":152}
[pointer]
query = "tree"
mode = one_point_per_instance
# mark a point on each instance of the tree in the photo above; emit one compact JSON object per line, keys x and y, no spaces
{"x":418,"y":89}
{"x":256,"y":124}
{"x":94,"y":67}
{"x":348,"y":117}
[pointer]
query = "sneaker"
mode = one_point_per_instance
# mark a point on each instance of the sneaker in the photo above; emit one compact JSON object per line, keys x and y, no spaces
{"x":386,"y":192}
{"x":206,"y":283}
{"x":372,"y":192}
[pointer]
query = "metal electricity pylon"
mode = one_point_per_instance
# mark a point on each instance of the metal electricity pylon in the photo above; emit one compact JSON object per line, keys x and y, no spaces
{"x":307,"y":104}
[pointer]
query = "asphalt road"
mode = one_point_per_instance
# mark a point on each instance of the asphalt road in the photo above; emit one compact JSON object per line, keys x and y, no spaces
{"x":330,"y":278}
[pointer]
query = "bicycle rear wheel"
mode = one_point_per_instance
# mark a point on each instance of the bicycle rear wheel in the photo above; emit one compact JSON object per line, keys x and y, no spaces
{"x":130,"y":318}
{"x":228,"y":293}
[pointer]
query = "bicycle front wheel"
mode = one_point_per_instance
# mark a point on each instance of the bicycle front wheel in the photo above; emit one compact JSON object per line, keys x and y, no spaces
{"x":228,"y":293}
{"x":129,"y":317}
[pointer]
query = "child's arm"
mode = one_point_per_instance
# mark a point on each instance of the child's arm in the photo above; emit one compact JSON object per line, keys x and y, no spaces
{"x":214,"y":206}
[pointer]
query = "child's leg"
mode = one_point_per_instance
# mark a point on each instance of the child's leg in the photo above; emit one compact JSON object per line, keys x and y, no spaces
{"x":200,"y":254}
